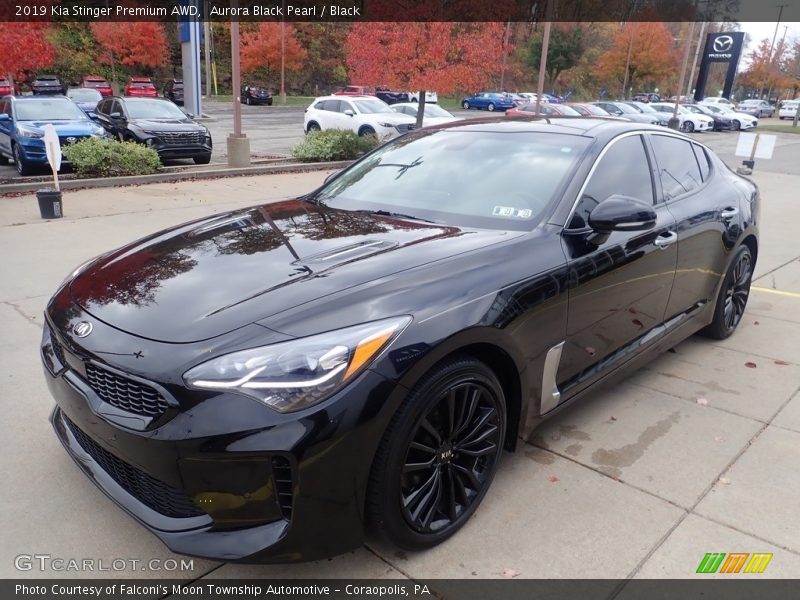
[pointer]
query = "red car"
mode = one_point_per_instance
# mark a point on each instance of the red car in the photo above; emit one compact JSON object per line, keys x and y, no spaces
{"x":98,"y":83}
{"x":8,"y":87}
{"x":546,"y":110}
{"x":356,"y":90}
{"x":141,"y":87}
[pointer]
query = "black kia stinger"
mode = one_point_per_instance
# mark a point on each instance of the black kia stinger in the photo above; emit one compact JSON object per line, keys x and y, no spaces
{"x":265,"y":384}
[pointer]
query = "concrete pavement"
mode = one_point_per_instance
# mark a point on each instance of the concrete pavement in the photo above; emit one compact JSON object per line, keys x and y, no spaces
{"x":695,"y":453}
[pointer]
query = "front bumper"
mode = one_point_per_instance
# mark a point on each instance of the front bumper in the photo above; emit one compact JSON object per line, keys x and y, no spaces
{"x":222,"y":476}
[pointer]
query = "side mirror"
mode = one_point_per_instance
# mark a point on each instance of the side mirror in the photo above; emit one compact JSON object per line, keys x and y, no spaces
{"x":349,"y":113}
{"x":4,"y":117}
{"x":622,"y":213}
{"x":115,"y":115}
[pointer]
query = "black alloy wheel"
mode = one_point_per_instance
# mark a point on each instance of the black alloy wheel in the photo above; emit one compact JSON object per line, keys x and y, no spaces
{"x":439,"y":456}
{"x":312,"y":126}
{"x":733,"y":296}
{"x":737,"y":125}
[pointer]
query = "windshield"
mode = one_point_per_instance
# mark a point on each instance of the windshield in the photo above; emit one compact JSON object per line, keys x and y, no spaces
{"x":626,"y":109}
{"x":593,"y":110}
{"x":154,"y":109}
{"x":431,"y":110}
{"x":644,"y":108}
{"x":433,"y":176}
{"x":84,"y":95}
{"x":48,"y":110}
{"x":751,"y":103}
{"x":366,"y":107}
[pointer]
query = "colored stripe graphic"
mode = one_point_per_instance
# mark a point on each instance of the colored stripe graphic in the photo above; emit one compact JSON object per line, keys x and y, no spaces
{"x":758,"y":563}
{"x":711,"y":562}
{"x":734,"y":563}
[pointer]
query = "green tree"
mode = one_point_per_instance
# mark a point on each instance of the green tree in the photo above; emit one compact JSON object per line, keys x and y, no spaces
{"x":567,"y":45}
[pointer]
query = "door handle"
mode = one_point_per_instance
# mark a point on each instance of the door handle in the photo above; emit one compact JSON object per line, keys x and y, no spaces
{"x":666,"y":239}
{"x":728,"y":213}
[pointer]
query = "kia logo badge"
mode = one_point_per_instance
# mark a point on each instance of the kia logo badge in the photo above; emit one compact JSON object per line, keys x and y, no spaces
{"x":723,"y":43}
{"x":82,"y":329}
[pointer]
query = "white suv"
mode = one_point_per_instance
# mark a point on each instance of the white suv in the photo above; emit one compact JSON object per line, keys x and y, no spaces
{"x":364,"y":115}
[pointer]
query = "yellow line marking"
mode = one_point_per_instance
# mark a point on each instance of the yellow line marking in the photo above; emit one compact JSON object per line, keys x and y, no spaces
{"x":776,"y":292}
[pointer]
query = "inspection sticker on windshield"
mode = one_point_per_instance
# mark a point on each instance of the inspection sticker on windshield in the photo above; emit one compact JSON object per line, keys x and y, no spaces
{"x":512,"y":213}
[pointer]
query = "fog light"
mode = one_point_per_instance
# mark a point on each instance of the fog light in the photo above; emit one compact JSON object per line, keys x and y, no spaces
{"x":150,"y":141}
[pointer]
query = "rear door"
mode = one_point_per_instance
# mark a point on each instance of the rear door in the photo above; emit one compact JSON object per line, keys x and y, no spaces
{"x":6,"y":127}
{"x":704,"y":217}
{"x":620,"y":288}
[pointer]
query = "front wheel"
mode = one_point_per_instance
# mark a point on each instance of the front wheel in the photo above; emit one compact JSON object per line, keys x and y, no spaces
{"x":737,"y":125}
{"x":439,"y":455}
{"x":203,"y":159}
{"x":465,"y":105}
{"x":688,"y":127}
{"x":23,"y":168}
{"x":733,"y":295}
{"x":365,"y":131}
{"x":490,"y":108}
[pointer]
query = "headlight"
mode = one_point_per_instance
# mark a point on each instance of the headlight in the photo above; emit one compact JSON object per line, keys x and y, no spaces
{"x":29,"y":133}
{"x":99,"y":133}
{"x":386,"y":124}
{"x":292,"y":375}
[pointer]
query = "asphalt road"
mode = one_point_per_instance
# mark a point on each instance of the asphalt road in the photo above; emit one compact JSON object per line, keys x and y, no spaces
{"x":274,"y":130}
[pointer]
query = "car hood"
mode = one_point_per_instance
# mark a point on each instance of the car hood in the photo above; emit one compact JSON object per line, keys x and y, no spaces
{"x":394,"y":118}
{"x":165,"y":124}
{"x":76,"y":127}
{"x":206,"y":278}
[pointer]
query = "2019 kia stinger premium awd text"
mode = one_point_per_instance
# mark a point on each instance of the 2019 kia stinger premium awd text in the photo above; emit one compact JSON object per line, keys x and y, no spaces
{"x":262,"y":385}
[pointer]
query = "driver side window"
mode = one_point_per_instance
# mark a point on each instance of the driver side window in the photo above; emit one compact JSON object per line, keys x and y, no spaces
{"x":625,"y":170}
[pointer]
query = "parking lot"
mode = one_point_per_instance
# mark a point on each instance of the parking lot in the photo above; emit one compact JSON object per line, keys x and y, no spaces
{"x":275,"y":130}
{"x":696,"y":453}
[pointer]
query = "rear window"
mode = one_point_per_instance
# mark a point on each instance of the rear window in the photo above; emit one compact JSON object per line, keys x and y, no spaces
{"x":491,"y":180}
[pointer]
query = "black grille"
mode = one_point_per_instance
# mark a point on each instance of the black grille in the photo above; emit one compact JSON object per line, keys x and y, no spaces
{"x":125,"y":393}
{"x":180,"y":138}
{"x":58,"y":350}
{"x":282,"y":474}
{"x":156,"y":494}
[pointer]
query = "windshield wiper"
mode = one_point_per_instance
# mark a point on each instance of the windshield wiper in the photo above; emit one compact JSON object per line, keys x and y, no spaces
{"x":386,"y":213}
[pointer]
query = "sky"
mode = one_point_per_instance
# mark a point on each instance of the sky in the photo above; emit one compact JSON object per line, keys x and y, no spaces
{"x":759,"y":31}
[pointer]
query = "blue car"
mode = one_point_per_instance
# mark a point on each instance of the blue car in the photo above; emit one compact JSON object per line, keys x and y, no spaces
{"x":86,"y":99}
{"x":490,"y":101}
{"x":22,"y":122}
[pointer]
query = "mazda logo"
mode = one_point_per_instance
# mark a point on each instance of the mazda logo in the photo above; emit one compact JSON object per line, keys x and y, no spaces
{"x":82,"y":329}
{"x":72,"y":140}
{"x":723,"y":43}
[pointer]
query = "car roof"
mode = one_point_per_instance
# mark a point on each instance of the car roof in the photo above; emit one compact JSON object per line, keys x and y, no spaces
{"x":91,"y":77}
{"x":144,"y":79}
{"x":39,"y":98}
{"x":343,"y":97}
{"x":135,"y":99}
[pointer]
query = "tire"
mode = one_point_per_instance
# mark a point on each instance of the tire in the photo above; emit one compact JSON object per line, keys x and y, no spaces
{"x":422,"y":449}
{"x":737,"y":125}
{"x":688,"y":127}
{"x":365,"y":131}
{"x":22,"y":167}
{"x":120,"y":136}
{"x":4,"y":160}
{"x":732,"y":299}
{"x":490,"y":108}
{"x":465,"y":105}
{"x":313,"y":126}
{"x":202,"y":160}
{"x":269,"y":102}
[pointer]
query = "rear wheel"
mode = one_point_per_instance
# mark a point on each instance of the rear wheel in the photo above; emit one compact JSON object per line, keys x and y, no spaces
{"x":439,"y":455}
{"x":733,"y":296}
{"x":490,"y":108}
{"x":247,"y":100}
{"x":312,"y":126}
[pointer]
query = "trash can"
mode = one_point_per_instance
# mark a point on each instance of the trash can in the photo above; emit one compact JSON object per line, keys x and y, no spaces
{"x":49,"y":204}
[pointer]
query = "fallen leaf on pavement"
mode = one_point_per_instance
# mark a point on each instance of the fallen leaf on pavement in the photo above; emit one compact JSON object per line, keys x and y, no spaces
{"x":509,"y":573}
{"x":553,"y":479}
{"x":750,"y":365}
{"x":719,"y":439}
{"x":702,"y":401}
{"x":781,"y":362}
{"x":724,"y":481}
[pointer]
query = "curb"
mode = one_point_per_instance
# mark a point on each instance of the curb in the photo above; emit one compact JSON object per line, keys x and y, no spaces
{"x":75,"y":184}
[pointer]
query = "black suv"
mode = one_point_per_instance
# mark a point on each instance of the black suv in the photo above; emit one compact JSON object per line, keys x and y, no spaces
{"x":47,"y":84}
{"x":254,"y":94}
{"x":158,"y":124}
{"x":647,"y":97}
{"x":174,"y":91}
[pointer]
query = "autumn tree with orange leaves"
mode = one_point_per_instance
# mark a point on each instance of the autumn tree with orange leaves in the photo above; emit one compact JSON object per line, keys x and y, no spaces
{"x":140,"y":45}
{"x":261,"y":50}
{"x":765,"y":71}
{"x":441,"y":57}
{"x":653,"y":59}
{"x":25,"y":48}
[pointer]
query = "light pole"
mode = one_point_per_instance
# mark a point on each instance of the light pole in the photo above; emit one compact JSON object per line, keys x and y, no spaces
{"x":283,"y":60}
{"x":674,"y":122}
{"x":238,"y":144}
{"x":772,"y":45}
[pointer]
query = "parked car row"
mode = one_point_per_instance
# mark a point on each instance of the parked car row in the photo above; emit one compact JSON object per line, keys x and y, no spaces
{"x":154,"y":122}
